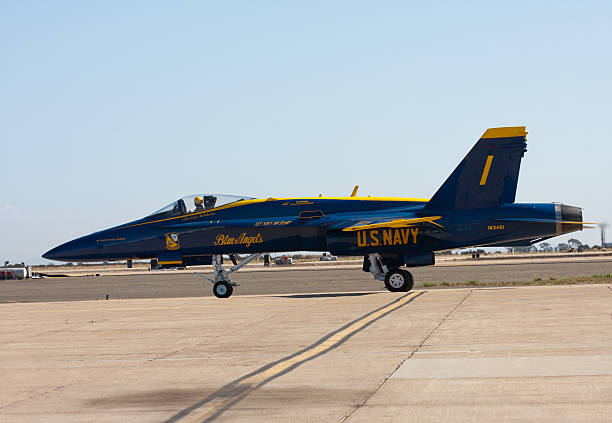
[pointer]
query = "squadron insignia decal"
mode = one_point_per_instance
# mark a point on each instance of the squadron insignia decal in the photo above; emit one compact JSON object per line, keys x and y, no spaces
{"x":172,"y":241}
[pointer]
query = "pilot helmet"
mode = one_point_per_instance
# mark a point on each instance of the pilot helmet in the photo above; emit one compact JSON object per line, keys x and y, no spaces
{"x":197,"y":201}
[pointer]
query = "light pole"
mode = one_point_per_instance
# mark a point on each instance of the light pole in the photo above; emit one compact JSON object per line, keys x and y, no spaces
{"x":602,"y":228}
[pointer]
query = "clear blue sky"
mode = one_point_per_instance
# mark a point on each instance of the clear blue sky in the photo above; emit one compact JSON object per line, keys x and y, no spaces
{"x":110,"y":110}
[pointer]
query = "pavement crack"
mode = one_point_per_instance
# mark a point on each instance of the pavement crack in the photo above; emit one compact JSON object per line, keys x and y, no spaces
{"x":438,"y":326}
{"x":352,"y":411}
{"x":49,"y":391}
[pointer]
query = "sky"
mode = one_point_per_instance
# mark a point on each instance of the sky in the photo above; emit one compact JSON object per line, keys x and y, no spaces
{"x":111,"y":110}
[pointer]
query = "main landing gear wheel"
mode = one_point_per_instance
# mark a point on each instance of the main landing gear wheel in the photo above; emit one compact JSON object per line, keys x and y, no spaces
{"x":223,"y":289}
{"x":399,"y":280}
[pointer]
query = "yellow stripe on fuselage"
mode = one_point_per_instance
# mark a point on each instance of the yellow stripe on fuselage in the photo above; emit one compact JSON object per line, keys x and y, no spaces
{"x":413,"y":200}
{"x":485,"y":172}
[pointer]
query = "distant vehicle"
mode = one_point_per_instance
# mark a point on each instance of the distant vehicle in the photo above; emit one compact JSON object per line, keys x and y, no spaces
{"x":283,"y":261}
{"x":13,"y":273}
{"x":327,"y":257}
{"x":474,"y":207}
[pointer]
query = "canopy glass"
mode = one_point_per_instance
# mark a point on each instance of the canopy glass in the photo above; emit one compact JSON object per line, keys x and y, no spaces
{"x":197,"y":203}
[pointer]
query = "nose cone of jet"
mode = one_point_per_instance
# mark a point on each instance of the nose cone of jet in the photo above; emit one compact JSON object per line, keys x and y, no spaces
{"x":75,"y":250}
{"x":55,"y":253}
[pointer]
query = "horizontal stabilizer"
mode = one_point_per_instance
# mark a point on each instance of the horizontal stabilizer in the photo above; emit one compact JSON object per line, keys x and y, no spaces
{"x":534,"y":220}
{"x":519,"y":243}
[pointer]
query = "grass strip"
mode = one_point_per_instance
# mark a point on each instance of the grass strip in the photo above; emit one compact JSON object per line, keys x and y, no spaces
{"x":572,"y":280}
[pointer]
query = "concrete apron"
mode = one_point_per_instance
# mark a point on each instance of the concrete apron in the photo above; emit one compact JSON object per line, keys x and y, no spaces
{"x":515,"y":354}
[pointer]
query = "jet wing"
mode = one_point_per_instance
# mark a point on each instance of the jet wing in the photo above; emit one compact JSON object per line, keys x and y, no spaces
{"x":392,"y":223}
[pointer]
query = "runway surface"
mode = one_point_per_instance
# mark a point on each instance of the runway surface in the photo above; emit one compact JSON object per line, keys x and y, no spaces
{"x":167,"y":284}
{"x":522,"y":354}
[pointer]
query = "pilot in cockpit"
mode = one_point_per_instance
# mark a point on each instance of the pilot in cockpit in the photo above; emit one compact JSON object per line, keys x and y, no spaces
{"x":209,"y":202}
{"x":198,"y":204}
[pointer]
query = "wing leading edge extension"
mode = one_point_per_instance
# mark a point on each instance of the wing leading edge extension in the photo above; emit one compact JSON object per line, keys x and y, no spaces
{"x":395,"y":223}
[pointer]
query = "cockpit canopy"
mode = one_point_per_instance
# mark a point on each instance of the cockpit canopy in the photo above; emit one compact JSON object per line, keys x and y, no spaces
{"x":197,"y":203}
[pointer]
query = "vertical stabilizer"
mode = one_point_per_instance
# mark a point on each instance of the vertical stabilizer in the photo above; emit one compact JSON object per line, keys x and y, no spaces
{"x":488,"y":175}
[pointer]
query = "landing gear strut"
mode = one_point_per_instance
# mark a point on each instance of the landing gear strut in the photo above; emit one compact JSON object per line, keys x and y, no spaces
{"x":223,"y":287}
{"x":396,"y":280}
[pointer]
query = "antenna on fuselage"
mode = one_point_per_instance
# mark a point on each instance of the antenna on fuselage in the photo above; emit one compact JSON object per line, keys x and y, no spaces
{"x":354,"y":194}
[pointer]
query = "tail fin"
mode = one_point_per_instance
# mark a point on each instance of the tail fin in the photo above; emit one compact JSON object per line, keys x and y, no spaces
{"x":488,"y":175}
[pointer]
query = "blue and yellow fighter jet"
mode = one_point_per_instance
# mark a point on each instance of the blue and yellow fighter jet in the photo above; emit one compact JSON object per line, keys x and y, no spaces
{"x":474,"y":207}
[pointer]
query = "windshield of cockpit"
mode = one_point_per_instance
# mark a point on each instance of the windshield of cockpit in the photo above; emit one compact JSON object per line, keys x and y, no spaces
{"x":197,"y":203}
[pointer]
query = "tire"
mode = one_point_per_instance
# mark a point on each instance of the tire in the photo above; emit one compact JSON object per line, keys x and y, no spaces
{"x":399,"y":280}
{"x":222,"y":289}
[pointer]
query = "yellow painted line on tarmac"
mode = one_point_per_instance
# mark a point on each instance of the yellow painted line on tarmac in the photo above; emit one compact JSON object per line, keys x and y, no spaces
{"x":212,"y":406}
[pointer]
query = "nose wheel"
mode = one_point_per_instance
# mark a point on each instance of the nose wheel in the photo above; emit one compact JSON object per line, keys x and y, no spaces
{"x":222,"y":289}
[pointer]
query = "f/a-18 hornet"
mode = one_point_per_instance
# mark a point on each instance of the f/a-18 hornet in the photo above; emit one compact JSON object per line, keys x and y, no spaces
{"x":474,"y":207}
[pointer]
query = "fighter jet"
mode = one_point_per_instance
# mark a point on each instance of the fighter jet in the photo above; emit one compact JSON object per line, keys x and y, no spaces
{"x":473,"y":207}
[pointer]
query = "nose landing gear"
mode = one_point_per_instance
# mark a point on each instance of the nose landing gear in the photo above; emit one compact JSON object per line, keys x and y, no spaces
{"x":223,"y":287}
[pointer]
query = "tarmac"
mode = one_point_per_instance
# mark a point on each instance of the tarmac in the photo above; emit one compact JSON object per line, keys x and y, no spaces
{"x":259,"y":280}
{"x":486,"y":354}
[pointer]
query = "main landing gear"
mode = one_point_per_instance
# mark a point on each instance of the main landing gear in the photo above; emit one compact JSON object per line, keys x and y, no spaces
{"x":223,"y":287}
{"x":396,"y":280}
